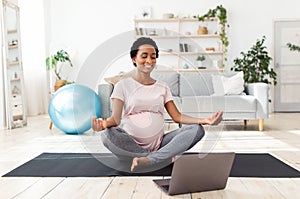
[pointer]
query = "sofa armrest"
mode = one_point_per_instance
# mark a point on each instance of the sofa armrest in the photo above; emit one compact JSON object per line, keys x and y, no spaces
{"x":104,"y":92}
{"x":261,"y":92}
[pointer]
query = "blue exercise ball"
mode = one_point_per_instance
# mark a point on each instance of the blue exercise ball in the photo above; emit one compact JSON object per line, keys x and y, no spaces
{"x":72,"y":107}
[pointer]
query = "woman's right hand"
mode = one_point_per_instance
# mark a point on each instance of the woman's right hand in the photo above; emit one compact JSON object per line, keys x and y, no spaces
{"x":98,"y":124}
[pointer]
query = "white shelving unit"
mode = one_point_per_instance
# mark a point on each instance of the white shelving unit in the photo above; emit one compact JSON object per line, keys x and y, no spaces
{"x":180,"y":44}
{"x":12,"y":67}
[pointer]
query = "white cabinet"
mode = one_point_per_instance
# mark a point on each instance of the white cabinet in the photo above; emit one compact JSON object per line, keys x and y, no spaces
{"x":180,"y":42}
{"x":12,"y":67}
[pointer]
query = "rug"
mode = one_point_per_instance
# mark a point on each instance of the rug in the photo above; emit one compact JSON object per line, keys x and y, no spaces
{"x":261,"y":165}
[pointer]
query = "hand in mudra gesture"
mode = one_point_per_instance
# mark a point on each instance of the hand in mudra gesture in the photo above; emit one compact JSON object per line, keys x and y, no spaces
{"x":214,"y":119}
{"x":98,"y":124}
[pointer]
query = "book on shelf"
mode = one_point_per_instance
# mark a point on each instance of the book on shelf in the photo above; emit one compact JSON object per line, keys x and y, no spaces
{"x":183,"y":47}
{"x":186,"y":47}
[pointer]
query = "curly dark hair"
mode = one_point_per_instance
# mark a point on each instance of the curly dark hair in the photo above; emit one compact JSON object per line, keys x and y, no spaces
{"x":139,"y":42}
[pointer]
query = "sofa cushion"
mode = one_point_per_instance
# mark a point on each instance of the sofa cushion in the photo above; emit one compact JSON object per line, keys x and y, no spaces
{"x":195,"y":84}
{"x":231,"y":103}
{"x":171,"y":78}
{"x":223,"y":85}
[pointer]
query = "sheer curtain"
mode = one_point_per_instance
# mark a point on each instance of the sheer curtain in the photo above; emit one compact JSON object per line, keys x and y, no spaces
{"x":32,"y":24}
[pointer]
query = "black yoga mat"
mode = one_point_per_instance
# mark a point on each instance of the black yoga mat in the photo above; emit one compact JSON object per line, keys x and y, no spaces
{"x":99,"y":165}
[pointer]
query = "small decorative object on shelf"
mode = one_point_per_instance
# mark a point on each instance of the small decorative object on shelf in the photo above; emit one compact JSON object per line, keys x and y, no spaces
{"x":185,"y":66}
{"x":216,"y":63}
{"x":209,"y":49}
{"x":202,"y":30}
{"x":200,"y":60}
{"x":14,"y":42}
{"x":153,"y":33}
{"x":168,"y":15}
{"x":146,"y":12}
{"x":15,"y":90}
{"x":169,"y":50}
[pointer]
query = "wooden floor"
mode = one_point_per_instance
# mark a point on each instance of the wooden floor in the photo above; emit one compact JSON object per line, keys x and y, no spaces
{"x":281,"y":138}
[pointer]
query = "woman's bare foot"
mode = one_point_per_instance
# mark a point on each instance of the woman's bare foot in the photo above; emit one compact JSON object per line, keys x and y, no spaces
{"x":136,"y":162}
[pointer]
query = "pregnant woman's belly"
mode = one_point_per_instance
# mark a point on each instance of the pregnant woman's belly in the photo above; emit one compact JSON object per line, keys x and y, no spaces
{"x":146,"y":128}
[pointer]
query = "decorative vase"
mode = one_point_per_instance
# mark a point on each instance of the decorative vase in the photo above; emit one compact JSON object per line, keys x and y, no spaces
{"x":202,"y":30}
{"x":59,"y":83}
{"x":200,"y":64}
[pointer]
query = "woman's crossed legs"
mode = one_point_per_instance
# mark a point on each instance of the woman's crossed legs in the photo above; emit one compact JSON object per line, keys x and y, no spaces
{"x":174,"y":143}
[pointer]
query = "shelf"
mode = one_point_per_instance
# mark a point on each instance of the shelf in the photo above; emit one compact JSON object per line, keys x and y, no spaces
{"x":12,"y":31}
{"x":200,"y":70}
{"x":215,"y":19}
{"x":204,"y":70}
{"x":181,"y":36}
{"x":13,"y":63}
{"x":201,"y":36}
{"x":159,"y":37}
{"x":17,"y":117}
{"x":202,"y":53}
{"x":174,"y":20}
{"x":161,"y":52}
{"x":15,"y":80}
{"x":13,"y":47}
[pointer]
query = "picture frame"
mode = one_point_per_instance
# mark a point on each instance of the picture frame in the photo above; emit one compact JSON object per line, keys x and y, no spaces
{"x":145,"y":12}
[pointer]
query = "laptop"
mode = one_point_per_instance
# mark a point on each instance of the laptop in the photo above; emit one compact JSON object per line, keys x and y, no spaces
{"x":198,"y":173}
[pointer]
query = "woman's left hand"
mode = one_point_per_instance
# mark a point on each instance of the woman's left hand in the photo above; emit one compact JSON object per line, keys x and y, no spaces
{"x":214,"y":119}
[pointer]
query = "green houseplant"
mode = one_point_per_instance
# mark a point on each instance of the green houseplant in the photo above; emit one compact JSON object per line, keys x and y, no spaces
{"x":200,"y":59}
{"x":220,"y":13}
{"x":255,"y":64}
{"x":52,"y":61}
{"x":56,"y":62}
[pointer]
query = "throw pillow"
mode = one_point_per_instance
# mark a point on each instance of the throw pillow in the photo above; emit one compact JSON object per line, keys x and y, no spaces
{"x":114,"y":79}
{"x":233,"y":85}
{"x":218,"y":85}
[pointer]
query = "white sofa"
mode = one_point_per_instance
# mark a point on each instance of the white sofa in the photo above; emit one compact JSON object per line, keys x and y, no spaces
{"x":194,"y":95}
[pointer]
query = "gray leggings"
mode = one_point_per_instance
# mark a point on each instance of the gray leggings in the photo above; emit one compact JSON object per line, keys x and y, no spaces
{"x":174,"y":143}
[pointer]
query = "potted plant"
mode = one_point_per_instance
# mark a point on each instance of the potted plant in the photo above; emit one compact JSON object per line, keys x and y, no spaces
{"x":200,"y":60}
{"x":255,"y":64}
{"x":220,"y":13}
{"x":56,"y":62}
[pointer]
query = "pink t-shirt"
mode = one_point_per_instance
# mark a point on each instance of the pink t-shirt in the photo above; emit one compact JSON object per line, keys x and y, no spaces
{"x":143,"y":113}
